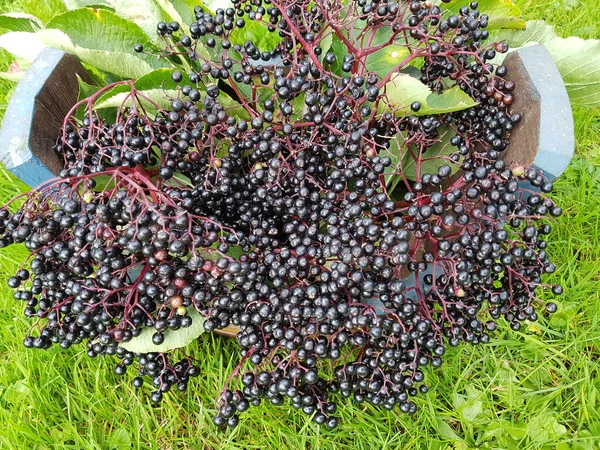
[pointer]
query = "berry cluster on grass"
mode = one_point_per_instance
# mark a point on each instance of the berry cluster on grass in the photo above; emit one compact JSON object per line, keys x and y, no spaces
{"x":278,"y":198}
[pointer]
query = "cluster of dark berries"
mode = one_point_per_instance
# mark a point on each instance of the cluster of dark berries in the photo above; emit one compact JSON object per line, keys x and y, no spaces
{"x":285,"y":194}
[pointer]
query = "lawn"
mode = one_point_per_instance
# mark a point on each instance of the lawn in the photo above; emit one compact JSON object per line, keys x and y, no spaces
{"x":535,"y":388}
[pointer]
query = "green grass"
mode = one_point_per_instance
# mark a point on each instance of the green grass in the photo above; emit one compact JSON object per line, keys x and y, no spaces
{"x":537,"y":388}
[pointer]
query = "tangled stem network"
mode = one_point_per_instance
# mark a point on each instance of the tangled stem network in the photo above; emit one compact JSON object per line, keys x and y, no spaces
{"x":293,"y":192}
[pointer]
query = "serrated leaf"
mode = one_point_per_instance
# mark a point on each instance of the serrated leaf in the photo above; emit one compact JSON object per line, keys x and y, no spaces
{"x":145,"y":13}
{"x":402,"y":90}
{"x":76,"y":4}
{"x":17,"y":393}
{"x":106,"y":31}
{"x":535,"y":32}
{"x":577,"y":60}
{"x":122,"y":64}
{"x":181,"y":11}
{"x":173,"y":338}
{"x":502,"y":13}
{"x":20,"y":22}
{"x":98,"y":38}
{"x":42,"y":9}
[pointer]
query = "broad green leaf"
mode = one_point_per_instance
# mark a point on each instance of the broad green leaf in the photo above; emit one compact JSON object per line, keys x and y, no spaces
{"x":173,"y":338}
{"x":100,"y":30}
{"x":385,"y":60}
{"x":516,"y":430}
{"x":468,"y":410}
{"x":181,"y":11}
{"x":431,"y":159}
{"x":24,"y":46}
{"x":502,"y":13}
{"x":17,"y":393}
{"x":535,"y":32}
{"x":118,"y":63}
{"x":258,"y":33}
{"x":43,"y":9}
{"x":157,"y":85}
{"x":544,"y":428}
{"x":86,"y":90}
{"x":339,"y":49}
{"x":326,"y":42}
{"x":102,"y":39}
{"x":145,"y":13}
{"x":20,"y":22}
{"x":578,"y":60}
{"x":119,"y":438}
{"x":402,"y":90}
{"x":446,"y":431}
{"x":394,"y":153}
{"x":76,"y":4}
{"x":213,"y":5}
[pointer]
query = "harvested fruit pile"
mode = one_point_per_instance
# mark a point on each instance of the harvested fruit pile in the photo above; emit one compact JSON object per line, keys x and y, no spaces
{"x":292,"y":191}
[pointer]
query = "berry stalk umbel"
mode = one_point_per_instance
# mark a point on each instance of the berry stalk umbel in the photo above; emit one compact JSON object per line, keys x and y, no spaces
{"x":293,"y":200}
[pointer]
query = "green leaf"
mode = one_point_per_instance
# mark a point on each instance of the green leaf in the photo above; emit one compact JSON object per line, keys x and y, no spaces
{"x":578,"y":60}
{"x":181,"y":11}
{"x":544,"y":428}
{"x":101,"y":30}
{"x":20,"y":22}
{"x":15,"y":77}
{"x":213,"y":5}
{"x":145,"y":13}
{"x":99,"y":38}
{"x":402,"y":90}
{"x":157,"y":85}
{"x":119,"y":439}
{"x":76,"y":4}
{"x":431,"y":159}
{"x":385,"y":60}
{"x":468,"y":410}
{"x":326,"y":42}
{"x":86,"y":90}
{"x":173,"y":338}
{"x":258,"y":33}
{"x":43,"y":9}
{"x":516,"y":430}
{"x":24,"y":46}
{"x":502,"y":13}
{"x":17,"y":393}
{"x":446,"y":431}
{"x":339,"y":49}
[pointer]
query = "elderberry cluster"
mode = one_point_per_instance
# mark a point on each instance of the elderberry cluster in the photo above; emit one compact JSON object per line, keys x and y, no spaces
{"x":350,"y":239}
